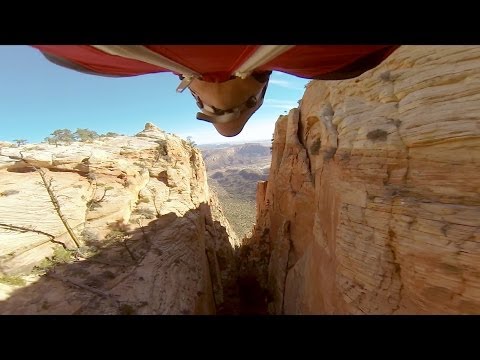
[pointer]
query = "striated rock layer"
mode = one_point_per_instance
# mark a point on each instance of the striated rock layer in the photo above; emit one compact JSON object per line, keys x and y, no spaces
{"x":372,"y":202}
{"x":156,"y":238}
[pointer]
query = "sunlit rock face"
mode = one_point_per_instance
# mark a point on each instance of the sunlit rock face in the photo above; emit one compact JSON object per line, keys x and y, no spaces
{"x":140,"y":207}
{"x":372,"y":202}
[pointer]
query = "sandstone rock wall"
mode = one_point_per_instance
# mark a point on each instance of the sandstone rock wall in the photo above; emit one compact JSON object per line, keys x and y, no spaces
{"x":157,"y":240}
{"x":372,"y":203}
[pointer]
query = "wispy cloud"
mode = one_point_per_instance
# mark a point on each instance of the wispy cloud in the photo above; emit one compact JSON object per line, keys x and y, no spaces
{"x":280,"y":104}
{"x":284,"y":83}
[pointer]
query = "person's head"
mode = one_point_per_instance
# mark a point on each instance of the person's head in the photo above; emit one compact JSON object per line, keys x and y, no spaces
{"x":230,"y":104}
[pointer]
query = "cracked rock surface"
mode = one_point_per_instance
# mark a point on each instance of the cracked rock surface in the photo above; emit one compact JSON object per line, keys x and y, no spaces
{"x":372,"y":205}
{"x":157,"y":239}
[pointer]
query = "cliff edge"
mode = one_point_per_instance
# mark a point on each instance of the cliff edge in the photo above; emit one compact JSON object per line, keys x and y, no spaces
{"x":121,"y":225}
{"x":372,"y":201}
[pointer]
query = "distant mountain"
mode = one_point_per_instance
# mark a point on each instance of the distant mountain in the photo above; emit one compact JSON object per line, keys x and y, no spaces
{"x":242,"y":155}
{"x":265,"y":142}
{"x":233,"y":171}
{"x":240,"y":183}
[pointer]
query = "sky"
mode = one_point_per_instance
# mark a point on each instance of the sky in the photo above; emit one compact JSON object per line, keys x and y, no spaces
{"x":38,"y":97}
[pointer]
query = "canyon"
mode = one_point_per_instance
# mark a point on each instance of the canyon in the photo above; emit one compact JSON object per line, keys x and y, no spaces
{"x":371,"y":206}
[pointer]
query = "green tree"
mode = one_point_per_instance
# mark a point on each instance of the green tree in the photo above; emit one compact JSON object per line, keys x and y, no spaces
{"x":110,"y":134}
{"x":190,"y":141}
{"x":50,"y":141}
{"x":20,"y":142}
{"x":85,"y":135}
{"x":61,"y":136}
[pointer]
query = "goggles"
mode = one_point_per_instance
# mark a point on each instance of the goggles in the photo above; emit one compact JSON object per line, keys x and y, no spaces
{"x":215,"y":115}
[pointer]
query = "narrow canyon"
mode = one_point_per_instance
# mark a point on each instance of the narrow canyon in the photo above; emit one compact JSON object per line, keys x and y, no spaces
{"x":372,"y":206}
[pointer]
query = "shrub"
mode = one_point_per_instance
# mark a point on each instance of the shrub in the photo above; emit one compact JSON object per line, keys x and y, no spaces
{"x":20,"y":142}
{"x":60,"y":256}
{"x":115,"y":235}
{"x":12,"y":280}
{"x":45,"y":265}
{"x":190,"y":141}
{"x":110,"y":134}
{"x":85,"y":135}
{"x":59,"y":136}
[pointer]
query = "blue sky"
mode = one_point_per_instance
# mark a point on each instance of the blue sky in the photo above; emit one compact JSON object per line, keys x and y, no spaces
{"x":38,"y":97}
